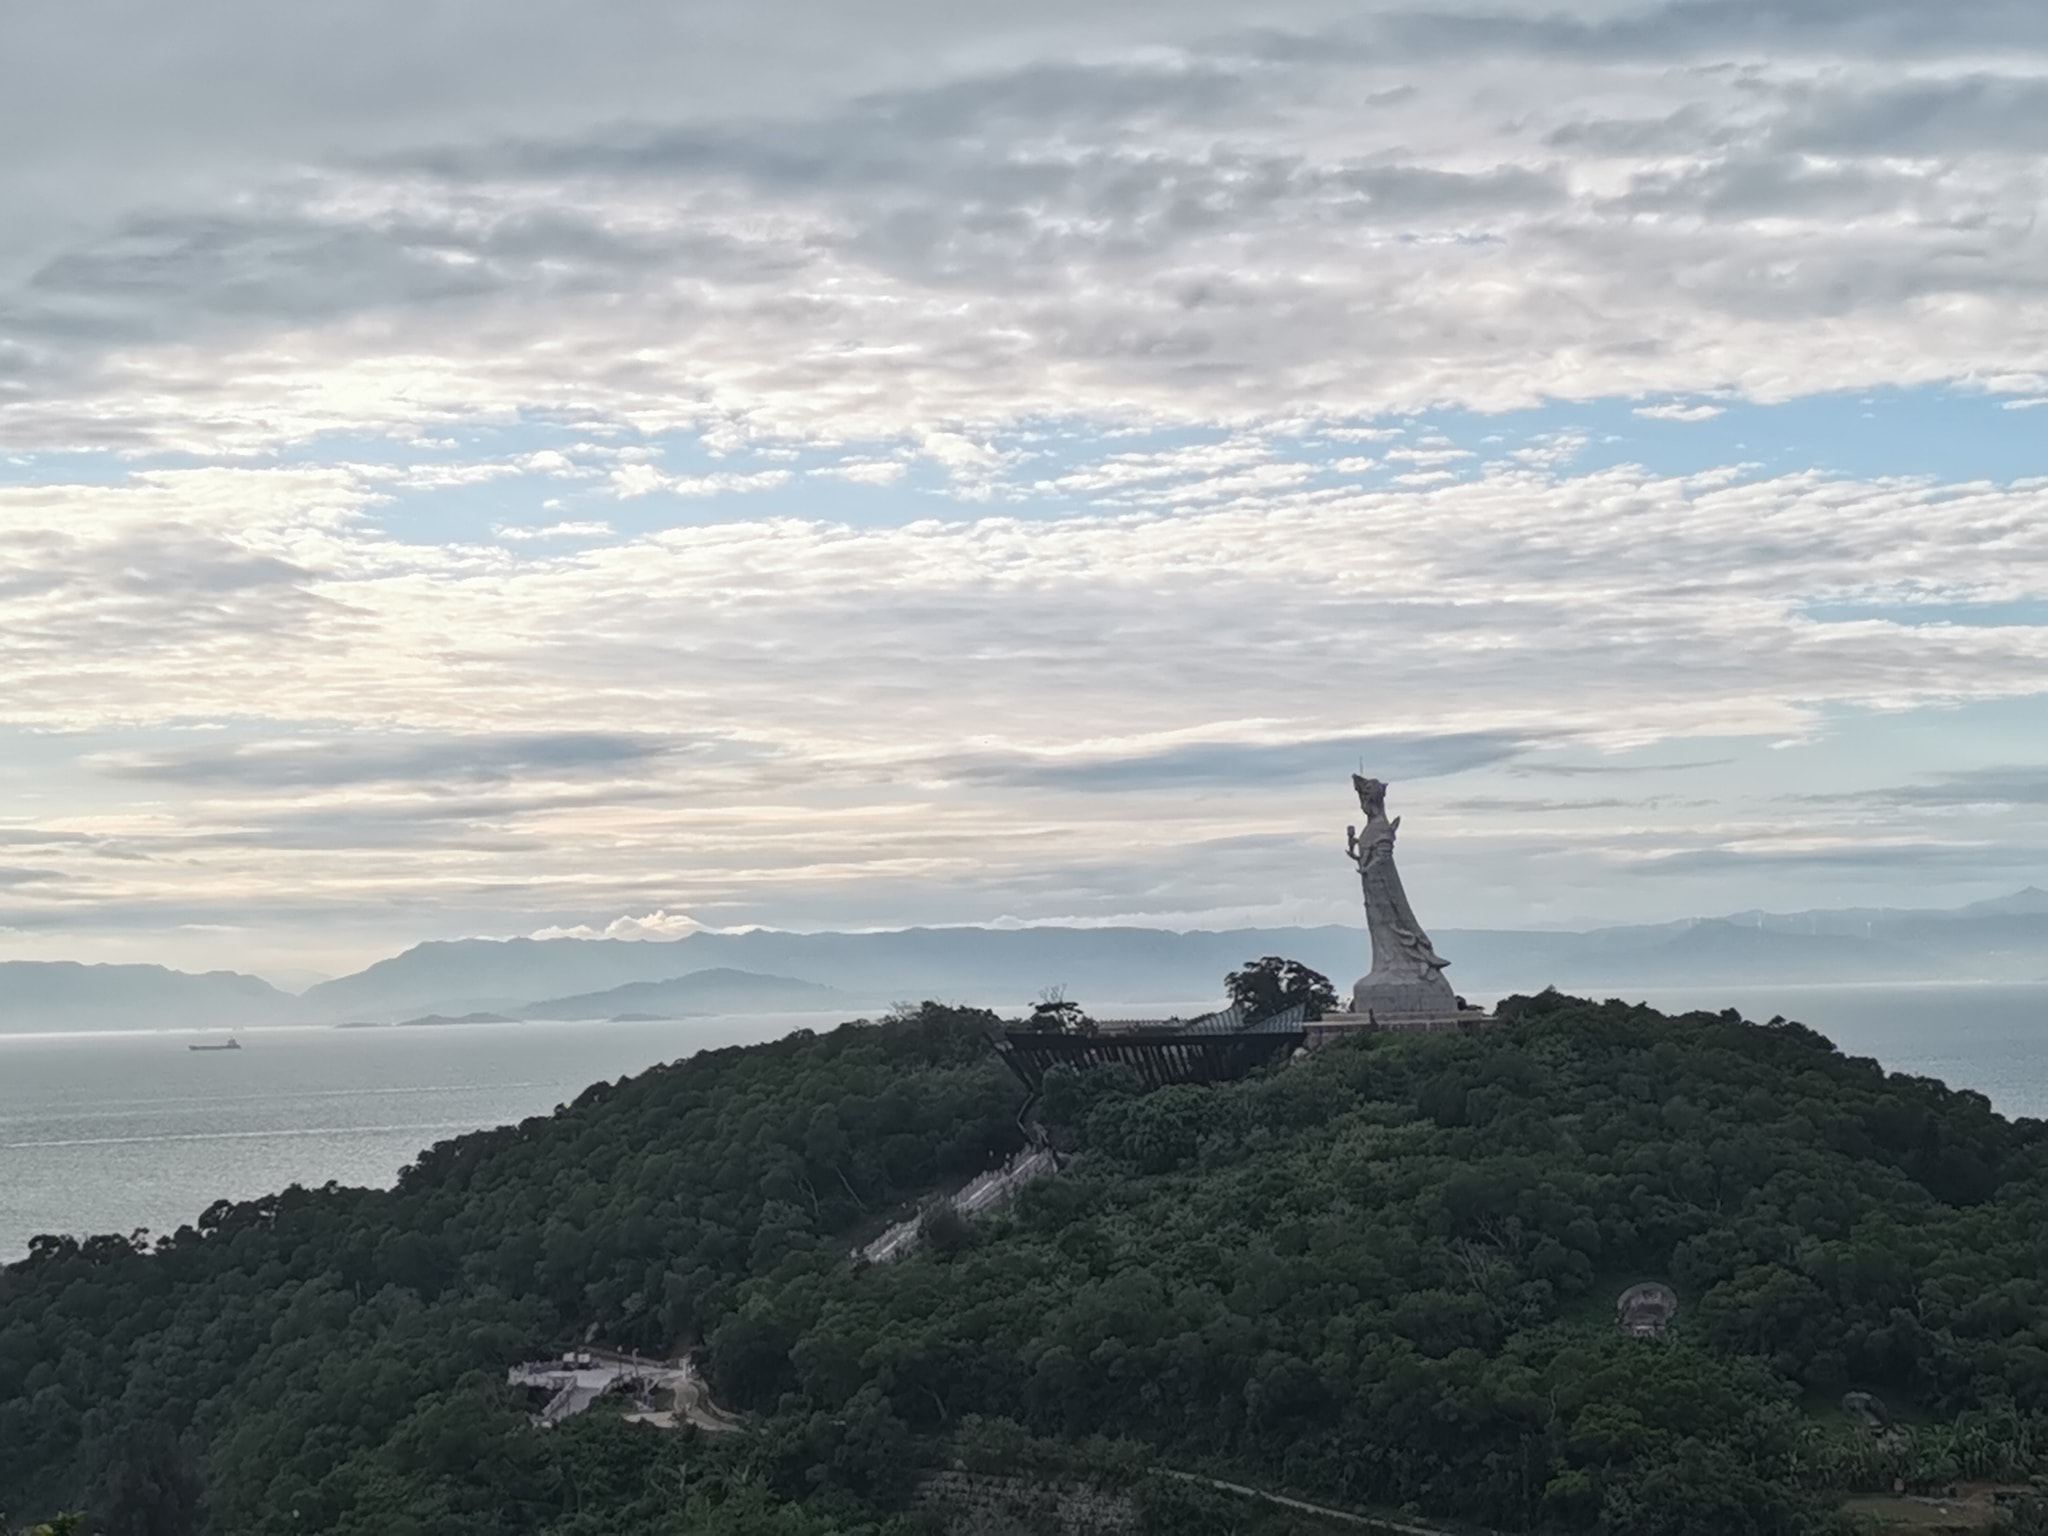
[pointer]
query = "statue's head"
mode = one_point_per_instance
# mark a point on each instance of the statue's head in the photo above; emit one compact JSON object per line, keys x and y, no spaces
{"x":1372,"y":795}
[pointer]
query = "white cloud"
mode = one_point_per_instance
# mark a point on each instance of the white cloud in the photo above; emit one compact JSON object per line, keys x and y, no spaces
{"x":436,"y":477}
{"x":317,"y":615}
{"x":777,"y":712}
{"x":864,"y":471}
{"x":650,"y":926}
{"x":631,"y":480}
{"x":550,"y":461}
{"x":1679,"y":412}
{"x":585,"y":530}
{"x":1218,"y":233}
{"x":1550,"y":450}
{"x":1240,"y":467}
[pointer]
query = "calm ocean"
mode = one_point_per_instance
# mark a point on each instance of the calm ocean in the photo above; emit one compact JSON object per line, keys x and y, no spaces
{"x":1990,"y":1038}
{"x":110,"y":1132}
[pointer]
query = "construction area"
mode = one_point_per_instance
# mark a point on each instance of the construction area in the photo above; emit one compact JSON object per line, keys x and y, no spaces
{"x":664,"y":1393}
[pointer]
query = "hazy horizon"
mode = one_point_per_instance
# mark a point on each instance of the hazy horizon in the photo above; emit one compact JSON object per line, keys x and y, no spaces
{"x":296,"y":982}
{"x":1998,"y":943}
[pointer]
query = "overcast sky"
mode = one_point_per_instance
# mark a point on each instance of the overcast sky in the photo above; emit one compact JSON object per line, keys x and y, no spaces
{"x":516,"y":467}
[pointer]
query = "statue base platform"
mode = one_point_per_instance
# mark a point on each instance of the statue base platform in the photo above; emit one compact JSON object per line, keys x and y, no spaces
{"x":1453,"y":1020}
{"x":1428,"y":993}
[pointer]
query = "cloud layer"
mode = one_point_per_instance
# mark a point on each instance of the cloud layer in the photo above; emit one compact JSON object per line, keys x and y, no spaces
{"x":492,"y":468}
{"x":740,"y":719}
{"x":1314,"y":218}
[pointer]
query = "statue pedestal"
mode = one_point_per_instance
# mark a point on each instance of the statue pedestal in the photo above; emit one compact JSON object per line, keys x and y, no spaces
{"x":1452,"y":1021}
{"x":1388,"y":995}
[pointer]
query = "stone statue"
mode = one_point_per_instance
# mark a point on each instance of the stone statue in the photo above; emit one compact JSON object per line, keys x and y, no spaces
{"x":1407,"y":976}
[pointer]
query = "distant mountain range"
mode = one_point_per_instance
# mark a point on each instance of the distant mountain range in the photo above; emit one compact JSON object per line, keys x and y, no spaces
{"x":2001,"y":940}
{"x":62,"y":994}
{"x":2004,"y":939}
{"x":865,"y":970}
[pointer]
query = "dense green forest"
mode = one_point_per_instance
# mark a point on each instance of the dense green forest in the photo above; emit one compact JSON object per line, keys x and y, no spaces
{"x":1381,"y":1276}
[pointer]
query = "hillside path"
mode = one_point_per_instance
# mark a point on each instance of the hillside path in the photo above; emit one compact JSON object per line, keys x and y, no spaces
{"x":1324,"y":1511}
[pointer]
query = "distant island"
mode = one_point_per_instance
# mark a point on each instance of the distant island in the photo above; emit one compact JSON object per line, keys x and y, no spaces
{"x":1591,"y":1268}
{"x":719,"y":989}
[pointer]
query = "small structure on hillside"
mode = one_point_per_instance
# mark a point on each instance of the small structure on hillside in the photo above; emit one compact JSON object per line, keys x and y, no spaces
{"x":1643,"y":1310}
{"x":578,"y":1379}
{"x":1868,"y":1410}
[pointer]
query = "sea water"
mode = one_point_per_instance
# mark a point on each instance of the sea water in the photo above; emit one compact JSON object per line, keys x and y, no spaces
{"x":110,"y":1132}
{"x":1989,"y":1037}
{"x":114,"y":1132}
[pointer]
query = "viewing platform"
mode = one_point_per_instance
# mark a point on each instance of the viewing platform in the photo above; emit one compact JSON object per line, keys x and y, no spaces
{"x":1332,"y":1026}
{"x":1217,"y":1047}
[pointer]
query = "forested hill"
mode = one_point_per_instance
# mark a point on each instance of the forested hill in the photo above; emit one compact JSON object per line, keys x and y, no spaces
{"x":1380,"y":1276}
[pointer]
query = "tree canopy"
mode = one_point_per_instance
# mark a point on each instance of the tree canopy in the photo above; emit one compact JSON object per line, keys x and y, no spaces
{"x":1383,"y":1275}
{"x":1060,"y":1015}
{"x":1269,"y":985}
